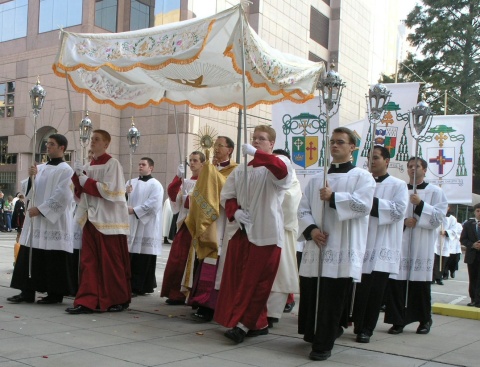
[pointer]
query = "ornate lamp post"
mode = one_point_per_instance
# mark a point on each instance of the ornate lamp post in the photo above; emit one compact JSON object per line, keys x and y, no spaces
{"x":419,"y":121}
{"x":37,"y":97}
{"x":85,"y":132}
{"x":378,"y":96}
{"x":330,"y":87}
{"x":133,"y":138}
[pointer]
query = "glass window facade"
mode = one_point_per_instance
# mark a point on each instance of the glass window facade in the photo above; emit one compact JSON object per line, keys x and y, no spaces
{"x":5,"y":157}
{"x":55,"y":14}
{"x":13,"y":20}
{"x":7,"y":99}
{"x":139,"y":15}
{"x":106,"y":14}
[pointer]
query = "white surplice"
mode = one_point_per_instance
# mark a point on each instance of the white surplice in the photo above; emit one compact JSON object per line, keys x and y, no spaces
{"x":286,"y":280}
{"x":264,"y":202}
{"x":446,"y":245}
{"x":346,"y":225}
{"x":167,"y":216}
{"x":178,"y":206}
{"x":107,"y":213}
{"x":53,"y":230}
{"x":456,"y":245}
{"x":418,"y":245}
{"x":146,"y":226}
{"x":384,"y":241}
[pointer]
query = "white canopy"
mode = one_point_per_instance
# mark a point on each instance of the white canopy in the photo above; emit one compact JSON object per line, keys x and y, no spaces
{"x":197,"y":62}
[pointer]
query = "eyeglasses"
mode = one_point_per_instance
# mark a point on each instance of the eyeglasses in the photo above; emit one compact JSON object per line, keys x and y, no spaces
{"x":260,"y":139}
{"x":338,"y":142}
{"x":50,"y":144}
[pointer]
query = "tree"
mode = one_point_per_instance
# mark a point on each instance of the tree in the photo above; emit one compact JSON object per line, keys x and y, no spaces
{"x":446,"y":34}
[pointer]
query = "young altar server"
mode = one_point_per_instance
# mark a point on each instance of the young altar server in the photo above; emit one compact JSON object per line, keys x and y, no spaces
{"x":145,"y":201}
{"x":179,"y":192}
{"x":52,"y":237}
{"x":102,"y":211}
{"x":253,"y":252}
{"x":425,"y":212}
{"x":384,"y":243}
{"x":334,"y":221}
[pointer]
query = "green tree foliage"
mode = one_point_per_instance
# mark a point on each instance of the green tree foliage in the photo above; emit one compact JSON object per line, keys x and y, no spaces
{"x":446,"y":35}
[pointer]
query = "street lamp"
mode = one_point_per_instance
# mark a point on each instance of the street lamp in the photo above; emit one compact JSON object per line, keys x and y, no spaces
{"x":37,"y":97}
{"x":85,"y":132}
{"x":133,"y":138}
{"x":378,"y":96}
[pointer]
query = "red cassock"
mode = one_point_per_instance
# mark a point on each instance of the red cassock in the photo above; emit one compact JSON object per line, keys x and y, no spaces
{"x":246,"y":283}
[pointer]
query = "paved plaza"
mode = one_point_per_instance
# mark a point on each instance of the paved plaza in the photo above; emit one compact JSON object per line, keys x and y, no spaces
{"x":152,"y":333}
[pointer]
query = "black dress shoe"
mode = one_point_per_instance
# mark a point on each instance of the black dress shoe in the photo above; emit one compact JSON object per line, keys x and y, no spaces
{"x":200,"y":317}
{"x":252,"y":333}
{"x":395,"y":329}
{"x":78,"y":310}
{"x":471,"y":304}
{"x":19,"y":298}
{"x":115,"y":308}
{"x":173,"y":302}
{"x":236,"y":334}
{"x":48,"y":300}
{"x":362,"y":338}
{"x":452,"y":274}
{"x":439,"y":281}
{"x":339,"y":332}
{"x":289,"y":307}
{"x":320,"y":356}
{"x":271,"y":321}
{"x":424,"y":328}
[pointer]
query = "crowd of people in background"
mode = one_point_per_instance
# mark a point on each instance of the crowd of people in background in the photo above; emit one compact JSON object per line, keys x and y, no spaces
{"x":368,"y":240}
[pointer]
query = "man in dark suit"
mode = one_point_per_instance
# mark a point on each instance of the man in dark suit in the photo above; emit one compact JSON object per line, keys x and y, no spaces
{"x":3,"y":227}
{"x":470,"y":238}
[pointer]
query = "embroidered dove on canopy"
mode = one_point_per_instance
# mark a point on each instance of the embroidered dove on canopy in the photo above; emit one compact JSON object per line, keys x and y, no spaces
{"x":197,"y":62}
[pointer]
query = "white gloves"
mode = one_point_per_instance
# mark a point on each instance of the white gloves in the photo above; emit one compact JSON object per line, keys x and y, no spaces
{"x":180,"y":171}
{"x":242,"y":217}
{"x":248,"y":149}
{"x":82,"y":179}
{"x":78,"y":167}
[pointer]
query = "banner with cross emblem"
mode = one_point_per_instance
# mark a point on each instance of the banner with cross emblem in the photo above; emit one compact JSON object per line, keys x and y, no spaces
{"x":447,"y":147}
{"x":300,"y":131}
{"x":305,"y":150}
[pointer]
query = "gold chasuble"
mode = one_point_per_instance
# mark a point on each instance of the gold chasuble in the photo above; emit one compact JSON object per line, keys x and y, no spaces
{"x":201,"y":219}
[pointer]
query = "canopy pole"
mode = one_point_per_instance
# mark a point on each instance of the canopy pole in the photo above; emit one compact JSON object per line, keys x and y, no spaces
{"x":70,"y":116}
{"x":178,"y":141}
{"x":245,"y":176}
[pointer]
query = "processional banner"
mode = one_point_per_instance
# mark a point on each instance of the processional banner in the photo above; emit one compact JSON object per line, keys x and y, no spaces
{"x":447,"y":146}
{"x":300,"y":131}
